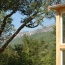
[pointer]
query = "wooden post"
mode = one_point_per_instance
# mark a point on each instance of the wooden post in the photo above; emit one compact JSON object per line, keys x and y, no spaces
{"x":58,"y":38}
{"x":60,"y":45}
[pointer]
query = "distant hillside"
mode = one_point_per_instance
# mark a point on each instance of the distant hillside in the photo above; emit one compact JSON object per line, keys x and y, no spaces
{"x":43,"y":29}
{"x":46,"y":36}
{"x":43,"y":33}
{"x":16,"y":41}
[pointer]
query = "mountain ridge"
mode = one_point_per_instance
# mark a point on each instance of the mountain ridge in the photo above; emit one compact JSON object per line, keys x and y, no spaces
{"x":43,"y":29}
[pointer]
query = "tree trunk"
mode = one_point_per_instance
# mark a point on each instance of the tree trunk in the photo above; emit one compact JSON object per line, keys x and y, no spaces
{"x":18,"y":30}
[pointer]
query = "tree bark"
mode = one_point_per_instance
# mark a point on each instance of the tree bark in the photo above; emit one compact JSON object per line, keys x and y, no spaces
{"x":4,"y":21}
{"x":22,"y":26}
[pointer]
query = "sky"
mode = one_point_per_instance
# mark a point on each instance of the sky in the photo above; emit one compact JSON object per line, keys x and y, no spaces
{"x":17,"y":18}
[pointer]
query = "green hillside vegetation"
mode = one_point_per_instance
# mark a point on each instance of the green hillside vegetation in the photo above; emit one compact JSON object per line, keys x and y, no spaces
{"x":38,"y":49}
{"x":48,"y":37}
{"x":16,"y":41}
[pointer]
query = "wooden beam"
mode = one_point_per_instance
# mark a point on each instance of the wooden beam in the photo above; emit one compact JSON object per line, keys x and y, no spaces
{"x":62,"y":47}
{"x":56,"y":7}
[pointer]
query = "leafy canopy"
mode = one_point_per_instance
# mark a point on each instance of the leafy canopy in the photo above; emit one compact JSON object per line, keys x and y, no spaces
{"x":35,"y":11}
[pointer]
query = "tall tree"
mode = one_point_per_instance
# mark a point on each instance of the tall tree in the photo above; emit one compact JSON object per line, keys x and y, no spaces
{"x":9,"y":28}
{"x":33,"y":9}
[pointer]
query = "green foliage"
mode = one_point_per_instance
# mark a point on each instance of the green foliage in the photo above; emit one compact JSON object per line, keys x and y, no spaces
{"x":9,"y":27}
{"x":28,"y":7}
{"x":32,"y":51}
{"x":34,"y":10}
{"x":16,"y":41}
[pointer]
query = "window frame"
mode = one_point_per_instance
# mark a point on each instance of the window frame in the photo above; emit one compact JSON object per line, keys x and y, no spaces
{"x":61,"y":27}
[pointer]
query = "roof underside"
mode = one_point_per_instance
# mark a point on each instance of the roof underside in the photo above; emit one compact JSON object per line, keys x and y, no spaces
{"x":56,"y":6}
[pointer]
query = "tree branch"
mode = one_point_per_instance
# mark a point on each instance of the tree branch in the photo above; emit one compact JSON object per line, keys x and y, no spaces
{"x":22,"y":26}
{"x":4,"y":21}
{"x":32,"y":25}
